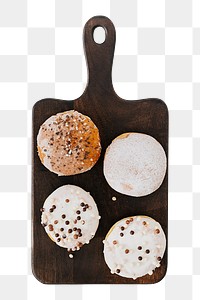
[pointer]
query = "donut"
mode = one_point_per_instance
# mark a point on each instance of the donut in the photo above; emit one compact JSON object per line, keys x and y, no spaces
{"x":70,"y":217}
{"x":68,"y":143}
{"x":134,"y":247}
{"x":135,"y":164}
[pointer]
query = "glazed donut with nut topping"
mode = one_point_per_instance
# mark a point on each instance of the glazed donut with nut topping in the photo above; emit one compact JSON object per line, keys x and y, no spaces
{"x":68,"y":143}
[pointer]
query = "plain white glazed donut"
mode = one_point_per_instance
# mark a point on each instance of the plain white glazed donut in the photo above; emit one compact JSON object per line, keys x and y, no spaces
{"x":135,"y":164}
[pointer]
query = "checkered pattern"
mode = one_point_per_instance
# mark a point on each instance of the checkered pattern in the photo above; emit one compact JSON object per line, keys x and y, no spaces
{"x":157,"y":55}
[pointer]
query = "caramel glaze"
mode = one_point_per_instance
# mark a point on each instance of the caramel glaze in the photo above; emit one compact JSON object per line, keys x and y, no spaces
{"x":69,"y":143}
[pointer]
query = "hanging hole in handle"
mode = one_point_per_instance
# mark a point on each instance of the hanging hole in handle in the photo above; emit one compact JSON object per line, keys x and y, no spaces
{"x":99,"y":34}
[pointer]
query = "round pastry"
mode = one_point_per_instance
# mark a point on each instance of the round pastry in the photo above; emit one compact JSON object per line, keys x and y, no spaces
{"x":68,"y":143}
{"x":70,"y":217}
{"x":134,"y":247}
{"x":135,"y":164}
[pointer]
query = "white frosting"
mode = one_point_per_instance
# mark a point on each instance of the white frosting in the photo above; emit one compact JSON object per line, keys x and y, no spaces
{"x":135,"y":164}
{"x":148,"y":235}
{"x":67,"y":211}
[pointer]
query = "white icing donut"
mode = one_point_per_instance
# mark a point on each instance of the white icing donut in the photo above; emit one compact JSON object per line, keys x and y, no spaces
{"x":134,"y":246}
{"x":135,"y":164}
{"x":70,"y":217}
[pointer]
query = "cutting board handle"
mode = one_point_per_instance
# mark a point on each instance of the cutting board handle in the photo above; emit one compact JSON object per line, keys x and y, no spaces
{"x":99,"y":57}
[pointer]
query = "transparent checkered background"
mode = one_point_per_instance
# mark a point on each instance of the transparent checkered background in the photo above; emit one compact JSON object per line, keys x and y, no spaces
{"x":157,"y":55}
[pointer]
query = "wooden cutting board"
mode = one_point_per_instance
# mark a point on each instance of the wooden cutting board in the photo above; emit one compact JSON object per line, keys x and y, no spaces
{"x":113,"y":116}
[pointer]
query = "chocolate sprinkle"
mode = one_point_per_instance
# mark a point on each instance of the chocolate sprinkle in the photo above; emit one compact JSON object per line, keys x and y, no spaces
{"x":56,"y":222}
{"x":67,"y":222}
{"x":140,"y":248}
{"x":75,"y":236}
{"x":157,"y":231}
{"x":121,"y":234}
{"x":139,"y":257}
{"x":126,"y":251}
{"x":78,"y":212}
{"x":61,"y":229}
{"x":122,"y":228}
{"x":70,"y":230}
{"x":50,"y":227}
{"x":58,"y":240}
{"x":159,"y":258}
{"x":79,"y":217}
{"x":57,"y":235}
{"x":51,"y":210}
{"x":147,"y":251}
{"x":118,"y":271}
{"x":132,"y":232}
{"x":63,"y":216}
{"x":82,"y":204}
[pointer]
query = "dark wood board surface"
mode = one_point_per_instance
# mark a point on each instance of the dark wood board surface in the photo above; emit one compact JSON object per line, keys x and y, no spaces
{"x":113,"y":116}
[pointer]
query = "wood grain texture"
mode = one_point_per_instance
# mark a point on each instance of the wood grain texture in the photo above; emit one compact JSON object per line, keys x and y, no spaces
{"x":113,"y":116}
